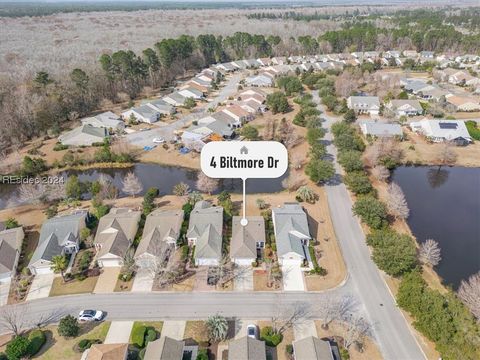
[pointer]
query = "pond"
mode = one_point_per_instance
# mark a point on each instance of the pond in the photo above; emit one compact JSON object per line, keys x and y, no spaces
{"x":152,"y":175}
{"x":445,"y":206}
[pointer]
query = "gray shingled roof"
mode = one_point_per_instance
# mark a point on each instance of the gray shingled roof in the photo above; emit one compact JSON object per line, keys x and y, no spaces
{"x":381,"y":129}
{"x":246,"y":348}
{"x":78,"y":132}
{"x":116,"y":231}
{"x":159,"y":225}
{"x":206,"y":225}
{"x":291,"y":226}
{"x":55,"y":233}
{"x":245,"y":238}
{"x":312,"y":348}
{"x":412,"y":103}
{"x":10,"y":243}
{"x":164,"y":348}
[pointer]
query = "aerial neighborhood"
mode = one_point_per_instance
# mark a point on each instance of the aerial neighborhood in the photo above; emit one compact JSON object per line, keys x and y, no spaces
{"x":116,"y":245}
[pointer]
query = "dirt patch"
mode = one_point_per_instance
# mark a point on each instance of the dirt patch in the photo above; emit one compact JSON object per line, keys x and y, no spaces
{"x":172,"y":157}
{"x":123,"y":285}
{"x":260,"y":282}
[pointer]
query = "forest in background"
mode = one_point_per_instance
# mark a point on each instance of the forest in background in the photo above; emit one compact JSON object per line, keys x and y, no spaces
{"x":45,"y":100}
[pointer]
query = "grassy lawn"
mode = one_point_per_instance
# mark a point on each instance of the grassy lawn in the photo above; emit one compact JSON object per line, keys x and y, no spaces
{"x":73,"y":287}
{"x":57,"y":347}
{"x":157,"y":325}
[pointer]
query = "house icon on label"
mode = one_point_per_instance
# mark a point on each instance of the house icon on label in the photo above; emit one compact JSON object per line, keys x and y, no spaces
{"x":244,"y":150}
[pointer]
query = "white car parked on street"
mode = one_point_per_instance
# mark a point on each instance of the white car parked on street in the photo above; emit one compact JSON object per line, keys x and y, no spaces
{"x":90,"y":315}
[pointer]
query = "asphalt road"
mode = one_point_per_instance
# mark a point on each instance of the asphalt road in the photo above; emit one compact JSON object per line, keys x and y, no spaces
{"x":145,"y":138}
{"x":390,"y":327}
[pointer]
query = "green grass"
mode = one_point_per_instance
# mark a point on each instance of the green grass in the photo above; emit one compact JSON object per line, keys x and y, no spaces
{"x":157,"y":325}
{"x":473,"y":129}
{"x":73,"y":287}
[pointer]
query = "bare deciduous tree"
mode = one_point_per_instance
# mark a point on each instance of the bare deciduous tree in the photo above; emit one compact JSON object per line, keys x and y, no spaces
{"x":430,"y":253}
{"x":384,"y":148}
{"x":469,"y":293}
{"x":31,"y":193}
{"x":206,"y":184}
{"x":356,"y":328}
{"x":381,"y":173}
{"x":333,"y":308}
{"x":293,"y":181}
{"x":286,"y":316}
{"x":13,"y":318}
{"x":446,"y":155}
{"x":131,"y":184}
{"x":396,"y":202}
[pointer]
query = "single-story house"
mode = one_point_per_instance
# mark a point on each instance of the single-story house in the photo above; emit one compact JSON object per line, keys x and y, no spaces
{"x":260,"y":80}
{"x":247,"y":348}
{"x":463,"y":103}
{"x":247,"y":240}
{"x":264,"y":61}
{"x":410,"y":53}
{"x":279,"y":60}
{"x":143,"y":113}
{"x":252,"y":107}
{"x":378,"y":129}
{"x":312,"y":348}
{"x":164,"y":348}
{"x":433,"y":92}
{"x":59,"y":235}
{"x":240,"y":115}
{"x":364,"y":104}
{"x":205,"y":233}
{"x":116,"y":232}
{"x":392,"y":54}
{"x":204,"y":89}
{"x":175,"y":99}
{"x":443,"y":130}
{"x":191,"y":92}
{"x":292,"y":235}
{"x":107,"y":120}
{"x":84,"y":135}
{"x":10,"y":248}
{"x":226,"y":67}
{"x":427,"y":54}
{"x":161,"y":106}
{"x":161,"y":230}
{"x":404,"y":107}
{"x":233,"y":122}
{"x":106,"y":352}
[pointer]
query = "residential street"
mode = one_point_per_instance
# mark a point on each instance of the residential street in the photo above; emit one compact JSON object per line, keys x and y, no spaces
{"x":391,"y":329}
{"x":145,"y":138}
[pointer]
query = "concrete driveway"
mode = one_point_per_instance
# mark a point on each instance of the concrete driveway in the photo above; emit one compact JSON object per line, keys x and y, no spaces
{"x":244,"y":280}
{"x":41,"y":286}
{"x":4,"y":290}
{"x":304,"y":329}
{"x":143,"y":281}
{"x":107,"y":280}
{"x":119,"y":332}
{"x":241,"y":327}
{"x":174,"y":329}
{"x":292,"y":278}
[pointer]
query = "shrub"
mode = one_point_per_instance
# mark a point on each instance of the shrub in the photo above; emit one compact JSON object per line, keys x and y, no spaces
{"x":185,"y":249}
{"x":138,"y":336}
{"x":202,"y":354}
{"x":68,"y":326}
{"x":350,"y":160}
{"x":393,"y":253}
{"x":289,"y":349}
{"x":473,"y":129}
{"x":11,"y":223}
{"x":60,"y":147}
{"x":372,"y":211}
{"x":358,"y":182}
{"x":250,"y":132}
{"x":270,"y":337}
{"x":319,"y":170}
{"x":17,"y":348}
{"x":150,"y":336}
{"x":37,"y":340}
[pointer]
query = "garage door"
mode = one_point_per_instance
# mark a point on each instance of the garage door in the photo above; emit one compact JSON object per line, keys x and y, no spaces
{"x":42,"y":270}
{"x":110,"y":263}
{"x":206,"y":262}
{"x":243,"y":262}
